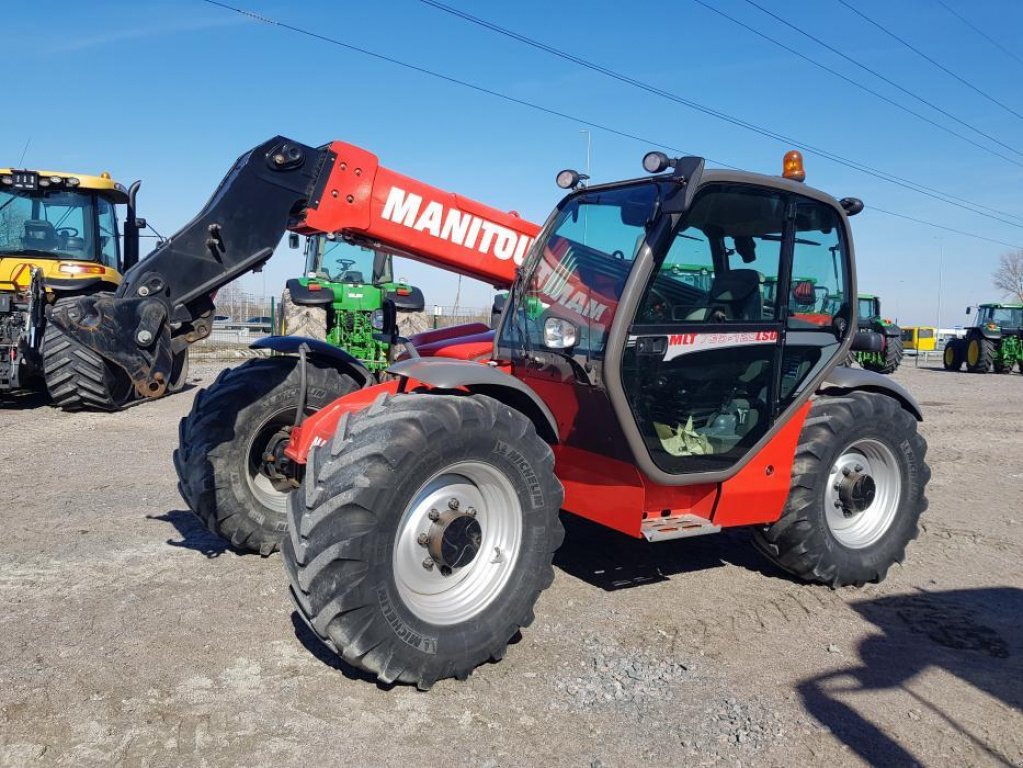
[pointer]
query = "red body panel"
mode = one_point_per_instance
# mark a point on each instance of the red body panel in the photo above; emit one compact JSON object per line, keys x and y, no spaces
{"x":758,"y":492}
{"x":406,"y":216}
{"x":319,"y":427}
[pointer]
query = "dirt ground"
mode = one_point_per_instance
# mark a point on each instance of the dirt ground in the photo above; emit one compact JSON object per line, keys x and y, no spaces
{"x":130,"y":636}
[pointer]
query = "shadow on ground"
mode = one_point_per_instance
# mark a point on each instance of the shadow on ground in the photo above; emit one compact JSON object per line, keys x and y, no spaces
{"x":611,"y":560}
{"x":24,"y":400}
{"x":975,"y":635}
{"x":194,"y":535}
{"x":325,"y":655}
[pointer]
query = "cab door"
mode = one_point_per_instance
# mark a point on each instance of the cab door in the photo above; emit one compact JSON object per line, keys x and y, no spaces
{"x":740,"y":311}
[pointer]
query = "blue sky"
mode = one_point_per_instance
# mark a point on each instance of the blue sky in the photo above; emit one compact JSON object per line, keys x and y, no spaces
{"x":172,"y":92}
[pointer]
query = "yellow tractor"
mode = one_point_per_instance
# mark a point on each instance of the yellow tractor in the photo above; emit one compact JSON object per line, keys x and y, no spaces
{"x":59,"y":240}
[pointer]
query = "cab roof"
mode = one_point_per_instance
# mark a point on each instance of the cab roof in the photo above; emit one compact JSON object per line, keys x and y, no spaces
{"x":102,"y":183}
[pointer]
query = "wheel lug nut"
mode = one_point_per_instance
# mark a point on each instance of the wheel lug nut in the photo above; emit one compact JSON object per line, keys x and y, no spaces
{"x":434,"y":515}
{"x":470,"y":511}
{"x":859,"y":467}
{"x":453,"y":504}
{"x":428,"y":563}
{"x":423,"y":540}
{"x":846,"y":471}
{"x":838,"y":504}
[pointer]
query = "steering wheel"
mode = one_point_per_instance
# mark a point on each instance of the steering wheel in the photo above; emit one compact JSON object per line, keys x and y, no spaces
{"x":67,"y":231}
{"x":656,"y":308}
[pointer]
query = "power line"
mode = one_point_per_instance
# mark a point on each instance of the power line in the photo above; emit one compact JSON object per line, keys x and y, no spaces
{"x":979,"y":31}
{"x":505,"y":97}
{"x":924,"y":56}
{"x":944,"y":197}
{"x":940,"y":226}
{"x":876,"y":74}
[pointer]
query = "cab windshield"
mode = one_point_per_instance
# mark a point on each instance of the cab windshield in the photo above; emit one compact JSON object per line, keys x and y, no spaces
{"x":579,"y":268}
{"x":1006,"y":317}
{"x":60,"y":224}
{"x":341,"y":262}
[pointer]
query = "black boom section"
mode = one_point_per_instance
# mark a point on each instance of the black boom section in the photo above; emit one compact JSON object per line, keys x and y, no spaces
{"x":166,"y":300}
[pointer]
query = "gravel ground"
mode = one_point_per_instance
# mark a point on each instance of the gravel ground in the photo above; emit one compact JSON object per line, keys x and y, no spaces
{"x":130,"y":636}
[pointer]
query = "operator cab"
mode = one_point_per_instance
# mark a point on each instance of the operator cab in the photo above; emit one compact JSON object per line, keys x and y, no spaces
{"x":688,"y":310}
{"x":332,"y":259}
{"x":867,"y":308}
{"x":59,"y":216}
{"x":1008,"y":317}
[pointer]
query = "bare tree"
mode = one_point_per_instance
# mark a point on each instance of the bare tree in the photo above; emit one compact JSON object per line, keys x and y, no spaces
{"x":1008,"y":278}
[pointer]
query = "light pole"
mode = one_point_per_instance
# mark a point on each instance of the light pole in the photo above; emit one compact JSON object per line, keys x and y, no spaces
{"x":941,"y":259}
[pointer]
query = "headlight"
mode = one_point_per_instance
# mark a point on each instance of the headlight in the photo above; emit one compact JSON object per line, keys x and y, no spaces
{"x":377,"y":319}
{"x":559,"y":333}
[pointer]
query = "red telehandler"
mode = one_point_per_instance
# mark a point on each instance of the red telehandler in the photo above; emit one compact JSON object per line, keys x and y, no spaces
{"x":641,"y":377}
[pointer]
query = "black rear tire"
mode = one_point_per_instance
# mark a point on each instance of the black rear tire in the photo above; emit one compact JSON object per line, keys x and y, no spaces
{"x":805,"y":540}
{"x":79,"y":379}
{"x":221,"y":441}
{"x":980,"y":354}
{"x":179,"y":372}
{"x":893,"y":354}
{"x":349,"y":555}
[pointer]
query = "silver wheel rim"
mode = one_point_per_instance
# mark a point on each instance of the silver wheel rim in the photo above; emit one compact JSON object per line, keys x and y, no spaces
{"x":451,"y":599}
{"x":857,"y":530}
{"x":259,"y":484}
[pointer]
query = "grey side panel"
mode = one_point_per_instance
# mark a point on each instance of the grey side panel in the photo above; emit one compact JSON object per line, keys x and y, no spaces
{"x":451,"y":374}
{"x":843,"y":379}
{"x":290,"y":344}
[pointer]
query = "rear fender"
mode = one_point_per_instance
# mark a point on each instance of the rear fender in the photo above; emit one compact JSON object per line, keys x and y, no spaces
{"x":302,"y":296}
{"x":843,"y":380}
{"x":480,"y":379}
{"x":334,"y":356}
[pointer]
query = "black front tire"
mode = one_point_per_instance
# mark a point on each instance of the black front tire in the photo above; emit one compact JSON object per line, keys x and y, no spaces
{"x":350,"y":522}
{"x":953,"y":356}
{"x":803,"y":541}
{"x":223,"y":437}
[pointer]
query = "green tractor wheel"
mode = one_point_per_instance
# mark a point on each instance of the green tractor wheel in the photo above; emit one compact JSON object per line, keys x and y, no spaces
{"x":980,"y":353}
{"x":953,"y":356}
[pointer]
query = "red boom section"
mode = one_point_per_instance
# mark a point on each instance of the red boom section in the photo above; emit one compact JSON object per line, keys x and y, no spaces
{"x":365,"y":201}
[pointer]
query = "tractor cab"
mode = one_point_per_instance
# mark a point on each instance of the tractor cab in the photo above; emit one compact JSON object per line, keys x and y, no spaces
{"x":607,"y":316}
{"x":1006,"y":317}
{"x":867,"y":308}
{"x":65,"y":227}
{"x":334,"y":260}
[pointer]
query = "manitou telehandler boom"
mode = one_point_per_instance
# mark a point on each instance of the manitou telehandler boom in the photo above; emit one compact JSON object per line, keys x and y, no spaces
{"x":426,"y":506}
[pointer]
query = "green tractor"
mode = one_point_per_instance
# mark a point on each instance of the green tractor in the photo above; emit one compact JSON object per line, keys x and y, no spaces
{"x":993,"y":343}
{"x":342,"y":295}
{"x":868,"y":316}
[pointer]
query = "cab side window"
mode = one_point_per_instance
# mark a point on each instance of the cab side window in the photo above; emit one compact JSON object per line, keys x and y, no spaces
{"x":818,"y":295}
{"x":723,"y":264}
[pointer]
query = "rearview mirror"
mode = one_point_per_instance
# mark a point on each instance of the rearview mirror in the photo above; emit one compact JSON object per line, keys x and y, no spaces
{"x":969,"y":310}
{"x":293,"y":240}
{"x":140,"y":223}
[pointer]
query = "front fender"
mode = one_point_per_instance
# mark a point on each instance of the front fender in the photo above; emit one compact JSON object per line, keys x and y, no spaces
{"x":444,"y":373}
{"x":843,"y":379}
{"x":335,"y":355}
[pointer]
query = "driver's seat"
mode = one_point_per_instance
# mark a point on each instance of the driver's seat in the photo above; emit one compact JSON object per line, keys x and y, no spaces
{"x":40,"y":235}
{"x":352,"y":276}
{"x":738,"y":291}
